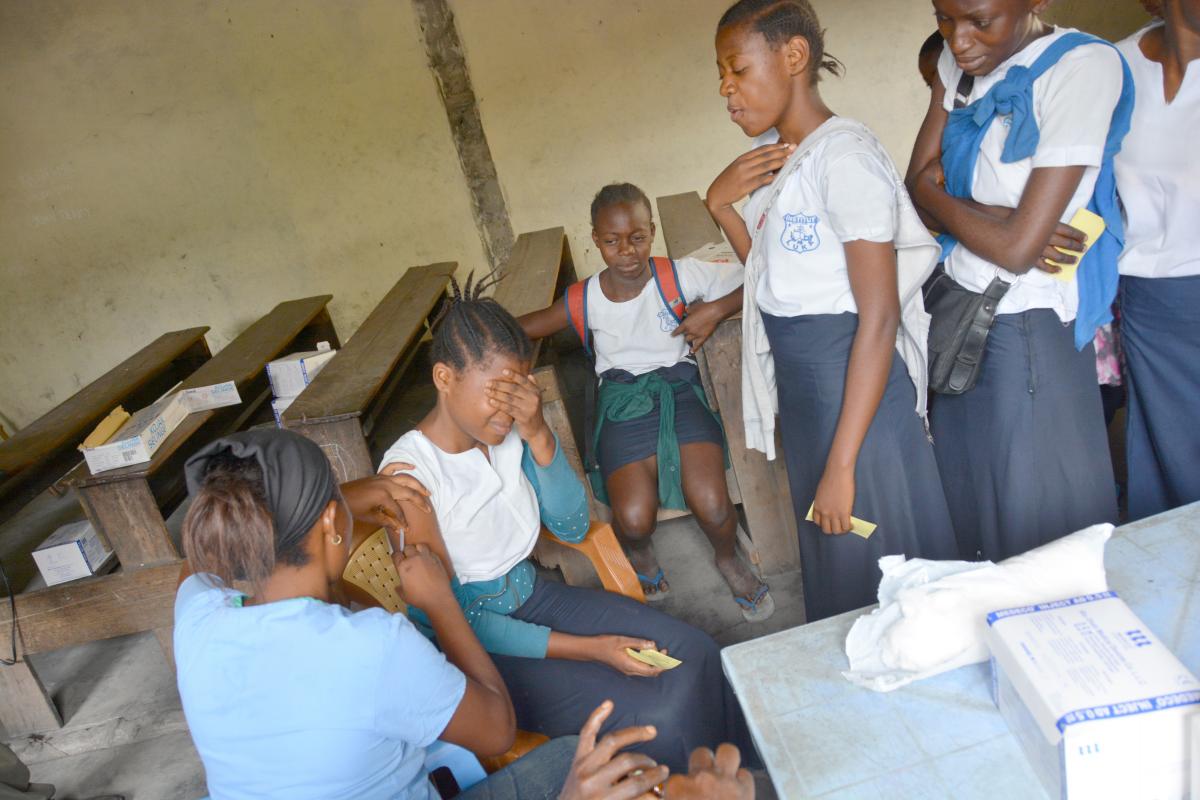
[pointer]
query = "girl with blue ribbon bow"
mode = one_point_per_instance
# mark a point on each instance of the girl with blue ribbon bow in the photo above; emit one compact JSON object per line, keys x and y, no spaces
{"x":1020,"y":134}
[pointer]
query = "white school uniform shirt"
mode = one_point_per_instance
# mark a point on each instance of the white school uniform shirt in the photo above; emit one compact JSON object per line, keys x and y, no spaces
{"x":1073,"y":103}
{"x":1158,"y":172}
{"x":636,"y":335}
{"x":486,"y":508}
{"x":916,"y":255}
{"x":841,"y":193}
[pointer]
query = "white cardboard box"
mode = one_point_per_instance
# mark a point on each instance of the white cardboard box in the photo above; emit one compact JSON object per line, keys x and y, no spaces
{"x":1100,"y":706}
{"x":280,"y":405}
{"x":142,"y":434}
{"x":73,"y":551}
{"x":290,"y":374}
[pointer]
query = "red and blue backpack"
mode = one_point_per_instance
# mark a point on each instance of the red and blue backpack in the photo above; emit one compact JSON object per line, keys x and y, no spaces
{"x":666,"y":279}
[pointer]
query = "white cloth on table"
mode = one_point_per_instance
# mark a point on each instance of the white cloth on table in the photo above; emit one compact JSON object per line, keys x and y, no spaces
{"x":932,"y":614}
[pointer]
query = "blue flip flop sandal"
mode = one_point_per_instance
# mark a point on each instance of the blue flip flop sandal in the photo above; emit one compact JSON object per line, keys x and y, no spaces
{"x":655,"y":584}
{"x":760,"y":608}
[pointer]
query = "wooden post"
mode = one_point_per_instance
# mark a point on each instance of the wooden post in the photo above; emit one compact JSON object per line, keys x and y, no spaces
{"x":25,"y":705}
{"x":127,"y":515}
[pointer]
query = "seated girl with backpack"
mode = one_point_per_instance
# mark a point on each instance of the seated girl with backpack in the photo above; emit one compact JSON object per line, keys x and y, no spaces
{"x":657,"y":441}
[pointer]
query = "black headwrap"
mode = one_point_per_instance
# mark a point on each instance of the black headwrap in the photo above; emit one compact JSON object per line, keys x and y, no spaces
{"x":297,"y":479}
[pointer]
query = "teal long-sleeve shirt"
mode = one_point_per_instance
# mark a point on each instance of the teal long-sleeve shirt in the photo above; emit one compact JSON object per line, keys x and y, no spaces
{"x":487,"y":605}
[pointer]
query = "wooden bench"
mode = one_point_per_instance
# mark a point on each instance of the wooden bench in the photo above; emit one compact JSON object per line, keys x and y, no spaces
{"x":539,"y":269}
{"x":127,"y":506}
{"x":39,"y":454}
{"x":763,"y":485}
{"x":338,"y":409}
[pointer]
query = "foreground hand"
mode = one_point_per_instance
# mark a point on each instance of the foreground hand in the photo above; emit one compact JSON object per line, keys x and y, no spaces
{"x":611,"y":650}
{"x":834,"y":501}
{"x":520,"y":397}
{"x":748,"y":172}
{"x":376,"y":499}
{"x":712,"y":777}
{"x":701,"y":320}
{"x":423,"y":580}
{"x":1067,"y":238}
{"x":597,"y":775}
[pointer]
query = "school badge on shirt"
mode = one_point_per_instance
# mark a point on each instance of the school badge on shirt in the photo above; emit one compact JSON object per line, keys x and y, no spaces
{"x":800,"y":233}
{"x":667,"y":321}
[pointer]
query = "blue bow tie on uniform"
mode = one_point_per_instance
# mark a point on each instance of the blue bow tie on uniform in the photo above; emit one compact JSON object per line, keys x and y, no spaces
{"x":1012,"y":96}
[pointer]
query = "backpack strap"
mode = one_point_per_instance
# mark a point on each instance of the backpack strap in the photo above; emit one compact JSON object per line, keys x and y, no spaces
{"x":577,"y":315}
{"x":666,"y":278}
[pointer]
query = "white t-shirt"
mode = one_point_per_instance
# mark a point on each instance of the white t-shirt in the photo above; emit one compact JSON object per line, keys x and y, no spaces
{"x":1073,"y":104}
{"x":636,"y":335}
{"x":1158,"y":172}
{"x":486,"y":507}
{"x":841,"y":193}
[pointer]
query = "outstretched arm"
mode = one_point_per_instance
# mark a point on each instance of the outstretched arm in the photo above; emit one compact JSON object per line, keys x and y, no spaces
{"x":545,"y":322}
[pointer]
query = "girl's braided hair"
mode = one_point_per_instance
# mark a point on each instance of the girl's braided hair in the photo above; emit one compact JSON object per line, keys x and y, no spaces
{"x":469,"y":328}
{"x":781,"y":20}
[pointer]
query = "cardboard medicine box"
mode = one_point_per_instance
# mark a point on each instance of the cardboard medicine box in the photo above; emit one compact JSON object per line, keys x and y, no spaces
{"x":137,"y":440}
{"x":73,"y":551}
{"x":289,"y":375}
{"x":1099,"y":705}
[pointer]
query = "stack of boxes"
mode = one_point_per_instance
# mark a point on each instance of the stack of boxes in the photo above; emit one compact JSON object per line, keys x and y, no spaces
{"x":291,"y":374}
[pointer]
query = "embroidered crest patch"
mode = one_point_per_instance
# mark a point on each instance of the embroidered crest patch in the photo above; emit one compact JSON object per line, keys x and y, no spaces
{"x":800,"y":233}
{"x":667,"y":321}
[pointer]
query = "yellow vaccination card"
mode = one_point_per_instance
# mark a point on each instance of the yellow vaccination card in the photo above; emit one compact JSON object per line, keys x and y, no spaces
{"x":1092,"y":225}
{"x":654,"y":658}
{"x":859,"y":527}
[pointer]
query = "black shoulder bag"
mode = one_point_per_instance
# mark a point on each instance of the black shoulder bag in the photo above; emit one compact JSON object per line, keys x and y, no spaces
{"x":961,"y":319}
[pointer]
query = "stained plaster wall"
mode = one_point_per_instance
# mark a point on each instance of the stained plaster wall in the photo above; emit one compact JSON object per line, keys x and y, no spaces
{"x":174,"y":164}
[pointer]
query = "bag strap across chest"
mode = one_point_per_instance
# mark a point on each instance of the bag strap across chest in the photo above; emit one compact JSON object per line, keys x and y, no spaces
{"x":666,"y":280}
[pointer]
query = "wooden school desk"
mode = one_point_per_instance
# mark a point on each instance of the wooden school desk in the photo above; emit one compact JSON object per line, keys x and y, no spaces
{"x":338,"y":409}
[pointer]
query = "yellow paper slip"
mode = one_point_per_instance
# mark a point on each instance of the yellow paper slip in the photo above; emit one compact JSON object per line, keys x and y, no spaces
{"x":1090,"y":224}
{"x":107,"y":427}
{"x":857,"y":526}
{"x":654,"y":658}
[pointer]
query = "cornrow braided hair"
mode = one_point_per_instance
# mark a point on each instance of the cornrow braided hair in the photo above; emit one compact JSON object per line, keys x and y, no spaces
{"x":781,"y":20}
{"x":470,"y":328}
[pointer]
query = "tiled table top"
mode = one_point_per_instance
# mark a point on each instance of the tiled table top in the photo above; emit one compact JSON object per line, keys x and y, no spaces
{"x":823,"y":737}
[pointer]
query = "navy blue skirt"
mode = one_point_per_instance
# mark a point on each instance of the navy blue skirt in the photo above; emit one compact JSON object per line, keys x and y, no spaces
{"x":692,"y":705}
{"x":896,"y":476}
{"x":633,"y":440}
{"x":1160,"y":334}
{"x":1024,"y":455}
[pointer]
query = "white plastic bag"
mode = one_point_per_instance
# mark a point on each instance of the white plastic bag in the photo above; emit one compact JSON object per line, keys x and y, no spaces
{"x":932,"y":614}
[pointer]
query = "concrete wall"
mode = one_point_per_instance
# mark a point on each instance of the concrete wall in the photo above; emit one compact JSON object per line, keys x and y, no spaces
{"x":175,"y":164}
{"x":577,"y":93}
{"x":168,"y":165}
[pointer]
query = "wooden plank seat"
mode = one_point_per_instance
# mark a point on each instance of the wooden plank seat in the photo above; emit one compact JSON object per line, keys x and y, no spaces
{"x":127,"y":507}
{"x":36,"y":456}
{"x":764,"y":491}
{"x":539,"y":269}
{"x":338,"y":409}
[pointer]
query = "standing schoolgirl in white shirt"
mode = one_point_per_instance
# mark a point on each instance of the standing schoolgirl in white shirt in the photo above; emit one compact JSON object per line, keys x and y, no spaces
{"x":1158,"y":178}
{"x":1023,"y":455}
{"x":828,"y":294}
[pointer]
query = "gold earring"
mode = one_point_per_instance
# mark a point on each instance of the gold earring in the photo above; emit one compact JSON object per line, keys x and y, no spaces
{"x":337,"y":539}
